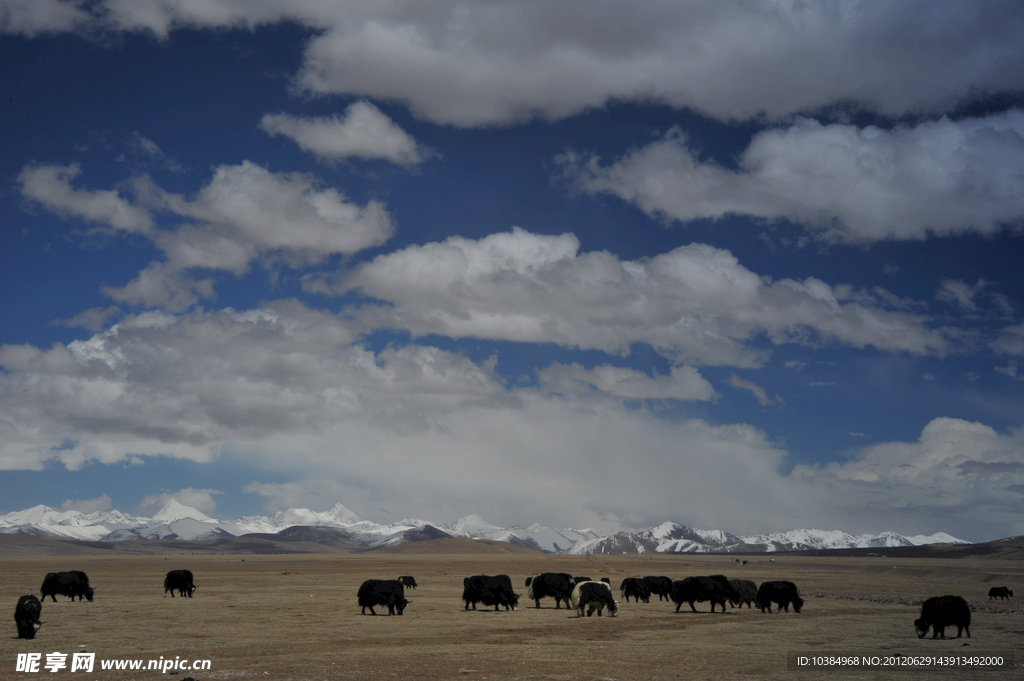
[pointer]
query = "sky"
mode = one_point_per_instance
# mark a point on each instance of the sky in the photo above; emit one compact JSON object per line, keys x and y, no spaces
{"x":750,"y":266}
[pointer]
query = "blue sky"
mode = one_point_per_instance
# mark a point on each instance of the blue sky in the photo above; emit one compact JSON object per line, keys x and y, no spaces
{"x":750,"y":266}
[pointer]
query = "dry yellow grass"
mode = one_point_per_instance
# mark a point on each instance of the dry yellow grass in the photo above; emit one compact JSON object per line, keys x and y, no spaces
{"x":296,"y":617}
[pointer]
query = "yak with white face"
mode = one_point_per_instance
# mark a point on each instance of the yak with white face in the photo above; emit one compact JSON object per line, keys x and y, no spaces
{"x":591,"y":596}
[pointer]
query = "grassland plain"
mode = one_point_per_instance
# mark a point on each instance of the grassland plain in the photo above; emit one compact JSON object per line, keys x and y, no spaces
{"x":295,"y":617}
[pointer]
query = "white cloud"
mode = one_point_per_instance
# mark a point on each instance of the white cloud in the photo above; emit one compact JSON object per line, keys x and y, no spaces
{"x":93,"y":319}
{"x":100,"y":503}
{"x":286,"y":389}
{"x":695,"y":304}
{"x":283,"y":388}
{"x":363,"y":132}
{"x":498,"y":62}
{"x":245,"y":213}
{"x":1010,"y":370}
{"x":199,"y":499}
{"x":840,"y":182}
{"x":142,"y":147}
{"x":959,"y":475}
{"x":683,"y":383}
{"x":50,"y":185}
{"x":316,"y":494}
{"x":164,"y":286}
{"x":1010,"y":340}
{"x":501,"y":61}
{"x":758,"y":392}
{"x":960,"y":293}
{"x":31,"y":17}
{"x":285,"y":212}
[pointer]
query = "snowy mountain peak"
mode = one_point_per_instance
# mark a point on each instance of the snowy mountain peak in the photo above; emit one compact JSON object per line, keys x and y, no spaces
{"x":338,"y":515}
{"x":471,"y":525}
{"x":174,"y":510}
{"x":343,"y":515}
{"x":178,"y":521}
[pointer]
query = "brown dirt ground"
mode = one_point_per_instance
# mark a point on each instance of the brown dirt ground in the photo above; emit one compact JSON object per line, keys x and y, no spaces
{"x":282,"y":617}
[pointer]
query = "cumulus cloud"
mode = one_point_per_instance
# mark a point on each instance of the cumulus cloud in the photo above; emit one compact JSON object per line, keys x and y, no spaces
{"x":32,"y":17}
{"x":364,"y":132}
{"x":756,"y":390}
{"x":683,"y":383}
{"x":1010,"y":340}
{"x":285,"y":388}
{"x":841,"y":182}
{"x":287,"y":212}
{"x":199,"y":499}
{"x":960,"y":293}
{"x":142,"y":148}
{"x":316,"y":494}
{"x":960,"y":475}
{"x":1010,"y":370}
{"x":93,"y":319}
{"x":50,"y":185}
{"x":498,"y":62}
{"x":245,"y":213}
{"x":695,"y":304}
{"x":290,"y":389}
{"x":100,"y":503}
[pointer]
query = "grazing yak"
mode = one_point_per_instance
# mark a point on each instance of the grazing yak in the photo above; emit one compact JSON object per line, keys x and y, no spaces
{"x":635,"y":587}
{"x":180,"y":581}
{"x":781,"y":592}
{"x":408,"y":581}
{"x":659,"y":585}
{"x":1000,"y":592}
{"x":26,"y":616}
{"x":943,"y":611}
{"x":746,"y":592}
{"x":73,"y":583}
{"x":714,"y":588}
{"x":597,"y":595}
{"x":557,"y":585}
{"x":389,"y":592}
{"x":490,"y":590}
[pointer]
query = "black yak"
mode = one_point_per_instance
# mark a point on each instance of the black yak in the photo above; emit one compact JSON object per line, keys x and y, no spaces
{"x":557,"y":585}
{"x":180,"y":581}
{"x":659,"y":585}
{"x":781,"y":592}
{"x":490,"y":590}
{"x":73,"y":583}
{"x":943,"y":611}
{"x":746,"y":592}
{"x":635,"y":587}
{"x":714,"y":588}
{"x":389,"y":592}
{"x":26,"y":616}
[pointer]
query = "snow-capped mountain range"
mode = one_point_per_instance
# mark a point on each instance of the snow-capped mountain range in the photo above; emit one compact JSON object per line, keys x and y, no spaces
{"x":177,"y":521}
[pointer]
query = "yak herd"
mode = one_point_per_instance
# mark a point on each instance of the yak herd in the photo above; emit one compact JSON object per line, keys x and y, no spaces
{"x":582,"y":594}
